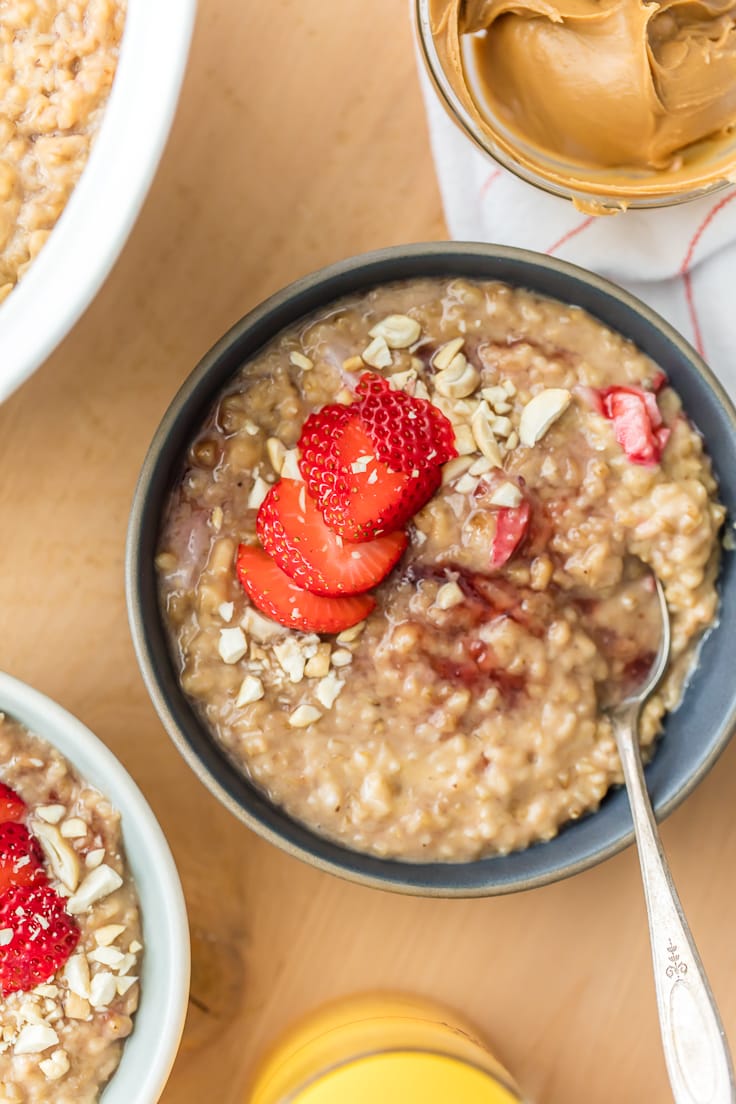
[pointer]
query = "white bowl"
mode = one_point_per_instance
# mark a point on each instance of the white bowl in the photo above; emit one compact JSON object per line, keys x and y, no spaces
{"x":149,"y":1052}
{"x":92,"y":230}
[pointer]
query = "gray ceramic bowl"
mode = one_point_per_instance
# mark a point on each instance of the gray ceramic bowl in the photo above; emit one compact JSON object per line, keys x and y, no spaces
{"x":695,"y":734}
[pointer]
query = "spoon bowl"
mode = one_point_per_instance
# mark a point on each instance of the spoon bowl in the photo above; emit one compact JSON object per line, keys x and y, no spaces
{"x":639,"y":694}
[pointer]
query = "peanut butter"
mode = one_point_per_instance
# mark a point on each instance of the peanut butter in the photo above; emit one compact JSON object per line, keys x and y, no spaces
{"x":599,"y":85}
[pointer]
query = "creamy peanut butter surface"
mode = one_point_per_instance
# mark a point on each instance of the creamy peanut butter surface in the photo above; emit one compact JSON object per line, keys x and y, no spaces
{"x":607,"y":84}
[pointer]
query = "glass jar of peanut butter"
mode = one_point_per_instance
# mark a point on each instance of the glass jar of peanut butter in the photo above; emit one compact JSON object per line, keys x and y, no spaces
{"x":610,"y":103}
{"x":396,"y":1049}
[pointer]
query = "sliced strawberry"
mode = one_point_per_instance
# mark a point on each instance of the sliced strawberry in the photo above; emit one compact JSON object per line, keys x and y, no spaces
{"x":21,"y":858}
{"x":12,"y":807}
{"x":512,"y":523}
{"x":637,"y":423}
{"x":320,"y":434}
{"x":407,"y":433}
{"x":280,"y":598}
{"x":372,"y":465}
{"x":293,"y":532}
{"x":359,"y":496}
{"x":44,"y":935}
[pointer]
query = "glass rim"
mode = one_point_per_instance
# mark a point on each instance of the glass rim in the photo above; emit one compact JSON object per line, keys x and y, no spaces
{"x":584,"y":196}
{"x":493,"y":1077}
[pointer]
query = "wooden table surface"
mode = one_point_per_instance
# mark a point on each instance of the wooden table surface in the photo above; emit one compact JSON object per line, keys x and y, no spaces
{"x":300,"y":139}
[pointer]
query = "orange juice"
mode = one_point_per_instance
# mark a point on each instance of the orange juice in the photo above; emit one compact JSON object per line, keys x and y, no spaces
{"x":382,"y":1048}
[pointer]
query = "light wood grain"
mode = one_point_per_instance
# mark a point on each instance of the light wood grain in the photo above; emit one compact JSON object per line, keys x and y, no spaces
{"x":300,"y":139}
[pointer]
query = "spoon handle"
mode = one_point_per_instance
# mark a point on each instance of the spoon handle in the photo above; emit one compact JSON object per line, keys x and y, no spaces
{"x":695,"y":1046}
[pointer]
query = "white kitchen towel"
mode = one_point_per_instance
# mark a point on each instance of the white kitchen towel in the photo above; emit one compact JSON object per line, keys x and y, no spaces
{"x":679,"y":260}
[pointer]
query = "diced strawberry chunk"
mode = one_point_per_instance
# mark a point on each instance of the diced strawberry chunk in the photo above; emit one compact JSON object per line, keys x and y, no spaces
{"x":637,"y":423}
{"x":295,"y":535}
{"x":630,"y":422}
{"x":283,"y":600}
{"x":12,"y":807}
{"x":512,"y":523}
{"x":44,"y":935}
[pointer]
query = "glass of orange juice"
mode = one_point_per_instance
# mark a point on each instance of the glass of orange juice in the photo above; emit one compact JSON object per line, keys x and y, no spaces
{"x":384,"y":1048}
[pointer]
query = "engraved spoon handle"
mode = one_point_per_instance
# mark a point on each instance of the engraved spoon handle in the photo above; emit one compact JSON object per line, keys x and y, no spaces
{"x":695,"y":1046}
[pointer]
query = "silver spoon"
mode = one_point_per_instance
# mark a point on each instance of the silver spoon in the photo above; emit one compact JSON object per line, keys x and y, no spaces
{"x":695,"y":1046}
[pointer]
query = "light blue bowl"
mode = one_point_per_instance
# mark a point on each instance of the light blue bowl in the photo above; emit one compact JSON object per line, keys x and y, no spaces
{"x":149,"y":1053}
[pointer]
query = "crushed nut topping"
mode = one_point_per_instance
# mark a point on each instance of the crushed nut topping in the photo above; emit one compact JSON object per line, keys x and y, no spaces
{"x":258,"y":493}
{"x":299,"y":360}
{"x":446,"y":353}
{"x":233,"y":645}
{"x":52,"y":814}
{"x":64,"y":861}
{"x":377,"y":354}
{"x":485,"y":438}
{"x":541,"y":412}
{"x":98,"y":884}
{"x":328,"y":690}
{"x":459,"y":379}
{"x":399,"y":331}
{"x":290,"y":465}
{"x":304,"y":715}
{"x":448,"y":596}
{"x":251,"y":690}
{"x":506,"y":494}
{"x":276,"y":451}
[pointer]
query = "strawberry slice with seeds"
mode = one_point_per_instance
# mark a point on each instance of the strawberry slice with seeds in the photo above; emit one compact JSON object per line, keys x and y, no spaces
{"x":21,"y":858}
{"x":43,"y":936}
{"x":360,"y":497}
{"x":637,"y":423}
{"x":512,"y":523}
{"x":280,"y":598}
{"x":295,"y":535}
{"x":407,"y":433}
{"x":12,"y":807}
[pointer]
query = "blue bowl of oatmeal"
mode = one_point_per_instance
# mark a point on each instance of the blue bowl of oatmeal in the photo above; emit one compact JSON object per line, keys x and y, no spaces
{"x":423,"y":802}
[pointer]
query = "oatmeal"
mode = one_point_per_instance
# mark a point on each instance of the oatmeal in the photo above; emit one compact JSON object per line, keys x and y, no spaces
{"x":66,"y":1006}
{"x":456,"y":710}
{"x":57,"y":63}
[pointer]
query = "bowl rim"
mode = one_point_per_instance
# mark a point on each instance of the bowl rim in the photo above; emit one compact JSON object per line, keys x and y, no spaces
{"x":96,"y":221}
{"x":149,"y":1053}
{"x":195,"y":395}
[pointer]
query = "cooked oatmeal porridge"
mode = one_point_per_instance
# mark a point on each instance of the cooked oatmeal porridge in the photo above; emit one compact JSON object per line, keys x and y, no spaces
{"x":66,"y":892}
{"x":57,"y":63}
{"x":460,"y":712}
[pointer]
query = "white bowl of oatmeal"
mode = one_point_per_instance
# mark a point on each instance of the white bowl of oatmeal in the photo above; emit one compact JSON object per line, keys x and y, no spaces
{"x":436,"y":726}
{"x":106,"y":1022}
{"x":87,"y":98}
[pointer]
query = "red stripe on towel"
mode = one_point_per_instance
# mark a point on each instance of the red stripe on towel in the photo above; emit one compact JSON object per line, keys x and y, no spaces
{"x":684,"y":267}
{"x":571,"y":234}
{"x":488,"y":181}
{"x":695,"y":322}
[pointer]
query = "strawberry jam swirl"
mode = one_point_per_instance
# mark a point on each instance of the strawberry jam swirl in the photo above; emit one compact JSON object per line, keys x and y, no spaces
{"x":70,"y":933}
{"x":409,"y":560}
